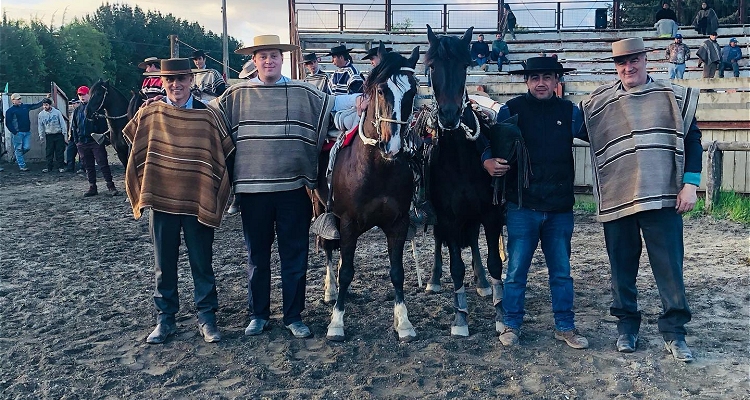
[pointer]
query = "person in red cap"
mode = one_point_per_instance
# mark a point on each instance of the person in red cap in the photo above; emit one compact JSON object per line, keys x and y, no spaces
{"x":88,"y":149}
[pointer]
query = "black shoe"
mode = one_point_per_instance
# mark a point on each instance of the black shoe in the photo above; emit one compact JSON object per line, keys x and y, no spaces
{"x":91,"y":192}
{"x":627,"y":342}
{"x":210,"y":332}
{"x":161,"y":333}
{"x":679,"y":349}
{"x":112,"y":190}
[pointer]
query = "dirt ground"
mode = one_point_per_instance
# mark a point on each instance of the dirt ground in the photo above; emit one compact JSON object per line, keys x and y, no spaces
{"x":76,"y":283}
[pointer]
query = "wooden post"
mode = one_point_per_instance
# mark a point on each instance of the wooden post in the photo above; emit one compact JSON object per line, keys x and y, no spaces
{"x":294,"y":39}
{"x":174,"y":46}
{"x":742,"y":13}
{"x":713,"y":177}
{"x":616,"y":14}
{"x":341,"y":17}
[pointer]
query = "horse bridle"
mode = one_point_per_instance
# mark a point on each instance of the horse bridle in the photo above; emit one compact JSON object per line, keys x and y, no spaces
{"x":98,"y":109}
{"x":436,"y":107}
{"x":378,"y":119}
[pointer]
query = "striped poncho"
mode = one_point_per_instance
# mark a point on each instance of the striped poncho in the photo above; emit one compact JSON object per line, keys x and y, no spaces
{"x":279,"y":131}
{"x":177,"y":162}
{"x":637,"y":145}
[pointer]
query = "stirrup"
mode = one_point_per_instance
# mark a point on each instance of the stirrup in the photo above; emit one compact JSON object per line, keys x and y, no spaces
{"x":325,"y":226}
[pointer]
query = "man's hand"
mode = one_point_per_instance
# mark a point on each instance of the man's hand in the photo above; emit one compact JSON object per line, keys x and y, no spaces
{"x":686,"y":198}
{"x":152,"y":100}
{"x":496,"y":166}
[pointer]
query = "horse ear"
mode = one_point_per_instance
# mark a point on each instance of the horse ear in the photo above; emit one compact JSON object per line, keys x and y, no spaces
{"x":381,"y":49}
{"x":467,"y":35}
{"x":414,"y":57}
{"x":431,"y":38}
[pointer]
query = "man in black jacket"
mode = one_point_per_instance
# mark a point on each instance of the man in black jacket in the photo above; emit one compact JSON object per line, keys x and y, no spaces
{"x":543,"y":210}
{"x":665,"y":13}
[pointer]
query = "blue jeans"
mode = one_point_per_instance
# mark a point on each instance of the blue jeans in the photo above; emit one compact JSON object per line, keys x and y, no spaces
{"x":525,"y":229}
{"x":21,"y":146}
{"x":481,"y":61}
{"x":676,"y":70}
{"x":724,"y":65}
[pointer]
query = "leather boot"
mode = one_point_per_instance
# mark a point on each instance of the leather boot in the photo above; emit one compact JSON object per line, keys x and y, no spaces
{"x":91,"y":192}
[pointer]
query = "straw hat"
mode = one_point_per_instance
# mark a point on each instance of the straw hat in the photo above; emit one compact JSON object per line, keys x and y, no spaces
{"x":263,"y":42}
{"x":146,"y":62}
{"x":174,"y":66}
{"x":627,"y":47}
{"x":248,"y":69}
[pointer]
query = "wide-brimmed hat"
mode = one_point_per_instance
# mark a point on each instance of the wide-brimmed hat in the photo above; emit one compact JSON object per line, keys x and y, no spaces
{"x":199,"y":53}
{"x":374,"y":51}
{"x":248,"y":69}
{"x":310,"y":57}
{"x":541,"y":64}
{"x":174,"y":66}
{"x":263,"y":42}
{"x":628,"y":47}
{"x":338,"y":50}
{"x":150,"y":60}
{"x":15,"y":96}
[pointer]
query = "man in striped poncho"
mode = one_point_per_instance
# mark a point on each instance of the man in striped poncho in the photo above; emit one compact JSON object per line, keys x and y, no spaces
{"x":646,"y":155}
{"x":279,"y":125}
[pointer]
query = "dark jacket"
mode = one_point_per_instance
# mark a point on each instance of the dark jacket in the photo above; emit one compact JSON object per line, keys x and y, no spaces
{"x":547,"y":127}
{"x":665,"y":13}
{"x":82,"y":128}
{"x":17,"y":117}
{"x":480,"y":48}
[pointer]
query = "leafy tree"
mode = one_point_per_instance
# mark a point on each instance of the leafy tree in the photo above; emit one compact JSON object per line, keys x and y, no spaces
{"x":20,"y":53}
{"x":640,"y":13}
{"x":86,"y":51}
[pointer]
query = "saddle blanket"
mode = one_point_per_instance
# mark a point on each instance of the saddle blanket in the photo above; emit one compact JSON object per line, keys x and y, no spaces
{"x":348,"y":137}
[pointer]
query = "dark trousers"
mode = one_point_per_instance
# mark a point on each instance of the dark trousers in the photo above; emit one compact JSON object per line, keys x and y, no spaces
{"x":71,"y":151}
{"x":55,"y":149}
{"x":94,"y":151}
{"x":165,"y":234}
{"x":662,"y":233}
{"x":285,"y":215}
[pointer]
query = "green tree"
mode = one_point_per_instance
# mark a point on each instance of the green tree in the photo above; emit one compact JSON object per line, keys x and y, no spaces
{"x":86,"y":51}
{"x":20,"y":53}
{"x":54,"y":54}
{"x":640,"y":13}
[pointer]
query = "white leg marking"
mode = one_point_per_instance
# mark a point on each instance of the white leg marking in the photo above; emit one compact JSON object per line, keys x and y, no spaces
{"x":336,"y":327}
{"x":331,"y":288}
{"x":401,"y":323}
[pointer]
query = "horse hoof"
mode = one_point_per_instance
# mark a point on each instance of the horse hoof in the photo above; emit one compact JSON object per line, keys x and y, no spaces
{"x":499,"y":327}
{"x":460,"y":331}
{"x":335,"y":338}
{"x":407,"y":336}
{"x":329,"y":301}
{"x":484,"y":292}
{"x":434,"y":288}
{"x":335,"y":334}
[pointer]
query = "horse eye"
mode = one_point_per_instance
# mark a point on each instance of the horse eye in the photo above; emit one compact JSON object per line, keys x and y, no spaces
{"x":380,"y":91}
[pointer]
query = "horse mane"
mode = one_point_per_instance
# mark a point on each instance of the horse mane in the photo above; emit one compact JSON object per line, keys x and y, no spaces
{"x":448,"y":47}
{"x":390,"y":65}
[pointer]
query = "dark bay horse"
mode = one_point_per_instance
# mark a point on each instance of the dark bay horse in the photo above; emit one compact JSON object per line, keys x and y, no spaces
{"x":105,"y":100}
{"x":372,"y":181}
{"x":461,"y":190}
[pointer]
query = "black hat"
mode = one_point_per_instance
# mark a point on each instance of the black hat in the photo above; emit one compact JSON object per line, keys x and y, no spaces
{"x":172,"y":67}
{"x":541,"y":64}
{"x":374,"y":51}
{"x":338,"y":50}
{"x":199,"y":53}
{"x":310,"y":57}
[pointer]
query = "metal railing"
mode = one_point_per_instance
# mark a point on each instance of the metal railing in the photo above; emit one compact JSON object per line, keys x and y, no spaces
{"x":445,"y":17}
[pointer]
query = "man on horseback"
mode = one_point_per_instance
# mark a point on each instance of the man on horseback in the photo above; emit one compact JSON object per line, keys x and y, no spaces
{"x":151,"y":86}
{"x":164,"y":136}
{"x":542,"y":210}
{"x":209,"y":83}
{"x":316,"y":76}
{"x":276,"y":160}
{"x":89,"y":150}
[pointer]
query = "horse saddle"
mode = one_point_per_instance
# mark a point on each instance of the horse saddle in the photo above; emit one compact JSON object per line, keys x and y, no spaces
{"x":506,"y":142}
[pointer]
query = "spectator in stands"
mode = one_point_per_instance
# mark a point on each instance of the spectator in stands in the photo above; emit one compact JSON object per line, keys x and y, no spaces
{"x":52,"y":127}
{"x":19,"y":124}
{"x":209,"y":83}
{"x":480,"y":52}
{"x":643,"y":187}
{"x":372,"y":55}
{"x":706,"y":20}
{"x":710,"y":55}
{"x":315,"y":75}
{"x":500,"y":51}
{"x":665,"y":13}
{"x":89,"y":150}
{"x":346,"y":79}
{"x":666,"y":28}
{"x":731,"y":54}
{"x":151,"y":86}
{"x":677,"y":53}
{"x":507,"y":21}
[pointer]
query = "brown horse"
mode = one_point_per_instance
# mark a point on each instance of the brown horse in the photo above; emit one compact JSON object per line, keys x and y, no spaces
{"x":461,"y":190}
{"x":372,"y":181}
{"x":105,"y":100}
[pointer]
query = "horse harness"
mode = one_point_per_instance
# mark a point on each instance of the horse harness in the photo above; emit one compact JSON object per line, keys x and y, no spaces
{"x":97,"y":112}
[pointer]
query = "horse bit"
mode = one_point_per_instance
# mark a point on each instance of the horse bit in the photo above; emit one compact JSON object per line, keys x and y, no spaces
{"x":97,"y":113}
{"x":433,"y":117}
{"x":378,"y":119}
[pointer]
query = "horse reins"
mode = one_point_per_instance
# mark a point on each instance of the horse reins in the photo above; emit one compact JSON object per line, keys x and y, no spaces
{"x":436,"y":107}
{"x":98,"y":109}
